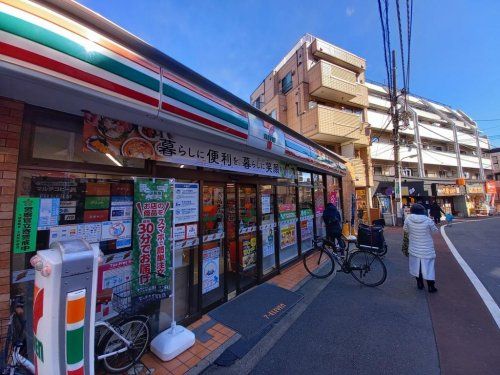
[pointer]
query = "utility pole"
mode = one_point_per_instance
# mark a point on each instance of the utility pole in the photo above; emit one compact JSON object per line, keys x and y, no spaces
{"x":395,"y":136}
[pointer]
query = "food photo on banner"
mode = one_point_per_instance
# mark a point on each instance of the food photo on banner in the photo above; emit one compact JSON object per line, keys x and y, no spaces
{"x":119,"y":138}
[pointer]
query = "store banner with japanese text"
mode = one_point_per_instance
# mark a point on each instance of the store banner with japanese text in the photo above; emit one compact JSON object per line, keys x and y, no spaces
{"x":151,"y":253}
{"x":26,"y":224}
{"x":123,"y":139}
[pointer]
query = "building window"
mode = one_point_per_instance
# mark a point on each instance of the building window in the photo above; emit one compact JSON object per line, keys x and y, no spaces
{"x":377,"y":170}
{"x":406,"y":172}
{"x":257,"y":103}
{"x":442,"y":174}
{"x":286,"y":83}
{"x":438,"y":148}
{"x":273,"y":114}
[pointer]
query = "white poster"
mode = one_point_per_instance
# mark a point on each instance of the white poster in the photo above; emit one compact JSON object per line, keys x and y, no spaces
{"x":179,"y":233}
{"x":266,"y":204}
{"x":91,"y":232}
{"x":268,"y":241}
{"x":116,"y":230}
{"x":210,"y":279}
{"x":49,"y":213}
{"x":191,"y":230}
{"x":186,"y":202}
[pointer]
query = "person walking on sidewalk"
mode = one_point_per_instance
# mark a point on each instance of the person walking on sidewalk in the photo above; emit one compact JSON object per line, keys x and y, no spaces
{"x":422,"y":255}
{"x":333,"y":224}
{"x":436,"y":211}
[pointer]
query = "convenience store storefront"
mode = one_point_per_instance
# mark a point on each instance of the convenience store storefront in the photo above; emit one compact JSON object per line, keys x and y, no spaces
{"x":94,"y":116}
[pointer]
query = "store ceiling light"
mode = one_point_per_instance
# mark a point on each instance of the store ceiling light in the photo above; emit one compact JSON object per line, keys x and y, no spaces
{"x":110,"y":157}
{"x":182,"y":166}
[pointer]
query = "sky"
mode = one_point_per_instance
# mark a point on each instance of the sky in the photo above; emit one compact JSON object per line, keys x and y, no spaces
{"x":455,"y":55}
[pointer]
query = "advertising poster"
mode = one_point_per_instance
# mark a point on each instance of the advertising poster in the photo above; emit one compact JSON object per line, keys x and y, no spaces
{"x":210,"y":277}
{"x":268,"y":241}
{"x":248,"y":245}
{"x":288,"y":235}
{"x":151,"y":232}
{"x":306,"y":229}
{"x":26,"y":224}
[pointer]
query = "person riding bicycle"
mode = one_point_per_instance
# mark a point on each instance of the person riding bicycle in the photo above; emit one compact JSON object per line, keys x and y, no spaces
{"x":333,"y":224}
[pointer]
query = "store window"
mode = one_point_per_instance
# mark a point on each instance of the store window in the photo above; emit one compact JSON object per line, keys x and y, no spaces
{"x":319,"y":204}
{"x":268,"y":229}
{"x":212,"y":253}
{"x":287,"y":210}
{"x":306,"y":210}
{"x":333,"y":192}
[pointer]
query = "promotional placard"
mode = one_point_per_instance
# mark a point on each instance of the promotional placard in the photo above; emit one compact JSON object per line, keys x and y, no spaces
{"x":26,"y":224}
{"x":151,"y":231}
{"x":210,"y":267}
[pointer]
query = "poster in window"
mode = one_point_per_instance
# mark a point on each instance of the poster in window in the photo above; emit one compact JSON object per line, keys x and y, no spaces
{"x":186,"y":202}
{"x":49,"y":213}
{"x":248,"y":244}
{"x":210,"y":267}
{"x":26,"y":224}
{"x":268,"y":241}
{"x":288,"y":235}
{"x":266,"y":203}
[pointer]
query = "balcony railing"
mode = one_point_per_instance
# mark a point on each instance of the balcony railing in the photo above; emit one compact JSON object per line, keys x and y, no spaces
{"x":332,"y":82}
{"x":327,"y":124}
{"x":337,"y":55}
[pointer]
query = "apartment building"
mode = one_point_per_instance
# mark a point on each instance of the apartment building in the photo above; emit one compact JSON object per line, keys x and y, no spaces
{"x":318,"y":90}
{"x":443,"y":154}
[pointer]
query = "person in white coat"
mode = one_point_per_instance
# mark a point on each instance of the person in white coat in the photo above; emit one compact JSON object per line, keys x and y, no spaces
{"x":422,"y":255}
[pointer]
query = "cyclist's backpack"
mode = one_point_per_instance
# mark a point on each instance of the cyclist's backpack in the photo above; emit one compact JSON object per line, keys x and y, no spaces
{"x":371,"y":238}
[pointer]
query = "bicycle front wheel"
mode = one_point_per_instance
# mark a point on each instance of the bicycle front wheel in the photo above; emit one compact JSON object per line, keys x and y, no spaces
{"x":136,"y":330}
{"x":367,"y":268}
{"x":319,"y":263}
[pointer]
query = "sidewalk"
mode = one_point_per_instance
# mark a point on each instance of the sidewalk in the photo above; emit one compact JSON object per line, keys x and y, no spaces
{"x":213,"y":338}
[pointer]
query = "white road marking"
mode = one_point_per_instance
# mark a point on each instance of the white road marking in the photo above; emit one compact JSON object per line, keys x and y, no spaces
{"x":483,"y":293}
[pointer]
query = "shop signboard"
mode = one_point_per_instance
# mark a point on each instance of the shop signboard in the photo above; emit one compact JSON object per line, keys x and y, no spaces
{"x":210,"y":276}
{"x":151,"y":231}
{"x":186,"y":202}
{"x":26,"y":224}
{"x":264,"y":135}
{"x":123,"y":139}
{"x":442,"y":190}
{"x":491,"y":187}
{"x":474,"y":188}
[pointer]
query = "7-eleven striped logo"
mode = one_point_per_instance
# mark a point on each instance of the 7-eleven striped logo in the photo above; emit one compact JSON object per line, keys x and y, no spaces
{"x":37,"y":315}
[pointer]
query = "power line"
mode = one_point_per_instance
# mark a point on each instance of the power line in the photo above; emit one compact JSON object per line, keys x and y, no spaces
{"x":490,"y":119}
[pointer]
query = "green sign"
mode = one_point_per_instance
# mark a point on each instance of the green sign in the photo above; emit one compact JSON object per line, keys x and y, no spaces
{"x":152,"y":227}
{"x":96,"y":203}
{"x":26,"y":223}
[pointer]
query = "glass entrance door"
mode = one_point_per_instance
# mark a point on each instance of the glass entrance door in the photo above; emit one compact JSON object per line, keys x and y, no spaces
{"x":231,"y":242}
{"x":247,"y":236}
{"x":212,"y":253}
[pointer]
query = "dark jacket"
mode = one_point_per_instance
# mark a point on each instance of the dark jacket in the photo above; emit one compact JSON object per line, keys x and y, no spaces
{"x":435,"y":210}
{"x":333,"y":221}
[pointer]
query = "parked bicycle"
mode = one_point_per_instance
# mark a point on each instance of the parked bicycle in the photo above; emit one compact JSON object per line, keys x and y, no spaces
{"x":365,"y":266}
{"x":119,"y":342}
{"x":13,"y":336}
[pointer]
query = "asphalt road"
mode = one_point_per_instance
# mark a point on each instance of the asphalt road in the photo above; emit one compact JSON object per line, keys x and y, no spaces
{"x":478,"y":242}
{"x":352,"y":329}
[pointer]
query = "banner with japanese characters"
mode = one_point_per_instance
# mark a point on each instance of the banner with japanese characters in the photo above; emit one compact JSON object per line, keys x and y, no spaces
{"x":123,"y":139}
{"x":151,"y":254}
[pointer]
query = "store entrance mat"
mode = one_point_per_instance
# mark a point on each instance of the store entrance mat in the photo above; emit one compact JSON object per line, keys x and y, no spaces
{"x":254,"y":311}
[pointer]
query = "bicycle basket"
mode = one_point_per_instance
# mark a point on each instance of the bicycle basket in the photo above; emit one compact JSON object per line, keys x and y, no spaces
{"x":131,"y":297}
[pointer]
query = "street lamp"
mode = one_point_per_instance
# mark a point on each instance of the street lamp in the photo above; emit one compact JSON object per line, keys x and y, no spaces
{"x":398,"y":195}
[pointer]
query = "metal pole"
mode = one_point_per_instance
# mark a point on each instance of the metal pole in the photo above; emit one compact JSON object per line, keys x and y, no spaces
{"x":395,"y":132}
